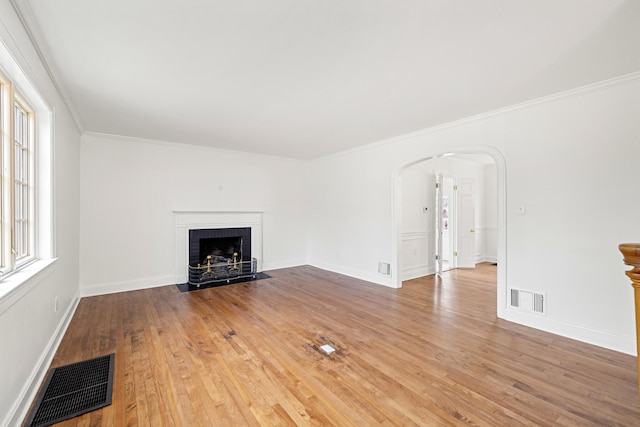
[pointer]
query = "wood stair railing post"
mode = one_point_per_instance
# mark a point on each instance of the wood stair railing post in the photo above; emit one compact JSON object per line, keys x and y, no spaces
{"x":631,"y":255}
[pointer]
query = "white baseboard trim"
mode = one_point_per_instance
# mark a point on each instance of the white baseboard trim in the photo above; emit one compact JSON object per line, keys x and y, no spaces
{"x":154,"y":282}
{"x":28,"y":393}
{"x":283,"y":264}
{"x":415,"y":272}
{"x":130,"y":285}
{"x":580,"y":333}
{"x":375,"y":278}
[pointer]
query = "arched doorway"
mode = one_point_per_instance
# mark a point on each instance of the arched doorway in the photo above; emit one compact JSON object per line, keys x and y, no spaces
{"x":500,"y":229}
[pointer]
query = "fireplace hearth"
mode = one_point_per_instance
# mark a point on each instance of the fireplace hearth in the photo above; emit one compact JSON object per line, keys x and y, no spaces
{"x":219,"y":255}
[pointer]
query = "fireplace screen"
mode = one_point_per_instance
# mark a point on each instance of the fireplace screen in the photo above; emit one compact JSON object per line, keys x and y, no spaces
{"x":220,"y":254}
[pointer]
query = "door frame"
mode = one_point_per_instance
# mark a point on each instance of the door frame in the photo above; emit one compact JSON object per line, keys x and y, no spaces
{"x":443,"y":180}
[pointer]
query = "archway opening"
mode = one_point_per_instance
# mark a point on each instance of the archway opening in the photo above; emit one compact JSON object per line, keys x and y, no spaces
{"x":415,"y":211}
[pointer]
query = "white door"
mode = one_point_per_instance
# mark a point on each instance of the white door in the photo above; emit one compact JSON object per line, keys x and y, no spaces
{"x":466,"y":241}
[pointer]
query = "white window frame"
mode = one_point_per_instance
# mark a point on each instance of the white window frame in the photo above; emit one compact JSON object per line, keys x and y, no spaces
{"x":18,"y":276}
{"x":23,"y":242}
{"x":6,"y":190}
{"x":17,"y":220}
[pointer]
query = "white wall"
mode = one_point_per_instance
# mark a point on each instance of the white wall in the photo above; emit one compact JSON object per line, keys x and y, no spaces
{"x":130,"y":189}
{"x":572,"y":159}
{"x":29,"y":326}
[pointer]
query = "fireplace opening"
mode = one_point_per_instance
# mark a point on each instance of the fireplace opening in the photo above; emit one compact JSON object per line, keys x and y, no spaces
{"x":220,"y":254}
{"x":220,"y":248}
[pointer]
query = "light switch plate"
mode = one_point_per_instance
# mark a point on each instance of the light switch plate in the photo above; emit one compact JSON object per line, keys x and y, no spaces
{"x":521,"y":209}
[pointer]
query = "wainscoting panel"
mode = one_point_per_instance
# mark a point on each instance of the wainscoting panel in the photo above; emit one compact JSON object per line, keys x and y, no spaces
{"x":417,"y":254}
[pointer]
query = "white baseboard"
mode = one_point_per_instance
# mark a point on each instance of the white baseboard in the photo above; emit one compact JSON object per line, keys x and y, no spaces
{"x":283,"y":264}
{"x":377,"y":278}
{"x":154,"y":282}
{"x":28,"y":393}
{"x":415,"y":272}
{"x":580,"y":333}
{"x":130,"y":285}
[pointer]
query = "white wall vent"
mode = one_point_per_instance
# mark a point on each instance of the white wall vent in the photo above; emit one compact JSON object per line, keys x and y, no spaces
{"x":528,"y":301}
{"x":384,"y":268}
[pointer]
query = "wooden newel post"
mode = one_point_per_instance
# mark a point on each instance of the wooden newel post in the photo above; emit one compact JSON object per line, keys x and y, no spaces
{"x":631,"y":254}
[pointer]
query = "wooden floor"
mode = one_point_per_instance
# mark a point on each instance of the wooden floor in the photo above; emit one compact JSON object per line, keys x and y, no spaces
{"x":431,"y":353}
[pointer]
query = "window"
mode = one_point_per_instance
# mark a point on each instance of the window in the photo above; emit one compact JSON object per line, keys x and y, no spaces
{"x":27,"y":143}
{"x":17,"y":159}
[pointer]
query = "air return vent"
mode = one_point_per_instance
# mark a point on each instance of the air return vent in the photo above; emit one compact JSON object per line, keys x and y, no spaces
{"x":527,"y":301}
{"x":72,"y":390}
{"x":515,"y":298}
{"x":538,"y":303}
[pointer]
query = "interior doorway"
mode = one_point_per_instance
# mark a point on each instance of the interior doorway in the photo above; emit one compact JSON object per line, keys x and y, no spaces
{"x":409,"y":245}
{"x":449,"y":214}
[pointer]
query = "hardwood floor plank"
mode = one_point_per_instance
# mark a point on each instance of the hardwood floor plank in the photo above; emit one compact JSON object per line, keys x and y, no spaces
{"x":432,"y":353}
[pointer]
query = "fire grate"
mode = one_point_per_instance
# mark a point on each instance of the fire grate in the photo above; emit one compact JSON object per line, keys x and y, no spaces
{"x":73,"y":390}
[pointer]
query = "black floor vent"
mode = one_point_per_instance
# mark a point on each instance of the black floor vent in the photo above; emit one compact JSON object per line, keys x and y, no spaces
{"x":72,"y":390}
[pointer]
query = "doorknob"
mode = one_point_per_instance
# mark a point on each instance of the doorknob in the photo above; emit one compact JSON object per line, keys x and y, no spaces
{"x":473,"y":230}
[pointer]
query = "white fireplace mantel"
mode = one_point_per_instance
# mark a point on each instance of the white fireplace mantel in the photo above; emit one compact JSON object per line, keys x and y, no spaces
{"x":195,"y":220}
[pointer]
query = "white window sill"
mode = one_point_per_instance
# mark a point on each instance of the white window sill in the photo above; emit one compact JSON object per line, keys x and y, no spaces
{"x":18,"y":284}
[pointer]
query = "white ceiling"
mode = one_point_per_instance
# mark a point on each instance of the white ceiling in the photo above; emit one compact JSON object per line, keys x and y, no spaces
{"x":303,"y":79}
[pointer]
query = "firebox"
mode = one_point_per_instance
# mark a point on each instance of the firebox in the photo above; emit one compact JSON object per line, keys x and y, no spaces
{"x":220,"y":254}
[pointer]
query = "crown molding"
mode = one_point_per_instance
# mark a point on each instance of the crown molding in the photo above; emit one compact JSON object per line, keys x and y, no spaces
{"x":589,"y":88}
{"x":188,"y":145}
{"x":30,"y":24}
